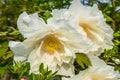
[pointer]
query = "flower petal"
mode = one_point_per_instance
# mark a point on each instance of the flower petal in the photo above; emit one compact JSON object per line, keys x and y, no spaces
{"x":67,"y":56}
{"x":21,"y":49}
{"x":36,"y":57}
{"x":91,"y":22}
{"x":99,"y":70}
{"x":59,"y":14}
{"x":73,"y":40}
{"x":67,"y":70}
{"x":28,"y":25}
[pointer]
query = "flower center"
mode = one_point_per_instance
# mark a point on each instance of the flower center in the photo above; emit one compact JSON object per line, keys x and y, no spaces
{"x":86,"y":28}
{"x":90,"y":31}
{"x":95,"y":77}
{"x":52,"y":44}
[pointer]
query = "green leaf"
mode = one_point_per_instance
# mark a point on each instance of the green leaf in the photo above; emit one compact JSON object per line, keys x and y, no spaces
{"x":4,"y":44}
{"x":59,"y":77}
{"x":41,"y":68}
{"x":19,"y":70}
{"x":82,"y":60}
{"x":3,"y":33}
{"x":117,"y":34}
{"x":13,"y":31}
{"x":48,"y":74}
{"x":47,"y":14}
{"x":2,"y":72}
{"x":3,"y":48}
{"x":8,"y":55}
{"x":108,"y":18}
{"x":2,"y":51}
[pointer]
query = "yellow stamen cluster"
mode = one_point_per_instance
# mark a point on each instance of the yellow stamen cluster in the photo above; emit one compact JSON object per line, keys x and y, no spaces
{"x":52,"y":44}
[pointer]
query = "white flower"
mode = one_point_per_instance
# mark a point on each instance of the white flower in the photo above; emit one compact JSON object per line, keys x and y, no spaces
{"x":98,"y":71}
{"x":90,"y":23}
{"x":52,"y":44}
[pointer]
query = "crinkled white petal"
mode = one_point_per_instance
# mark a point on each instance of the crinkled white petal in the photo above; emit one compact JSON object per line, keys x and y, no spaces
{"x":80,"y":42}
{"x":34,"y":61}
{"x":50,"y":60}
{"x":57,"y":59}
{"x":67,"y":69}
{"x":98,"y":71}
{"x":93,"y":17}
{"x":72,"y":41}
{"x":99,"y":34}
{"x":54,"y":24}
{"x":67,"y":56}
{"x":29,"y":25}
{"x":60,"y":14}
{"x":21,"y":49}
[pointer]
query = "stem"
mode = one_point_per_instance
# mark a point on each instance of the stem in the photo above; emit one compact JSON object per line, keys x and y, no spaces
{"x":7,"y":77}
{"x":113,"y":21}
{"x":113,"y":4}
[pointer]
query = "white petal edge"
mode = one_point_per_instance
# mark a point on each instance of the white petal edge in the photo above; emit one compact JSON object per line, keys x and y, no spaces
{"x":21,"y":49}
{"x":28,"y":25}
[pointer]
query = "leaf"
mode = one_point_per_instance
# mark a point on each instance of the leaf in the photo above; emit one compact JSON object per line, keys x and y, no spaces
{"x":3,"y":33}
{"x":47,"y":14}
{"x":59,"y":77}
{"x":2,"y":51}
{"x":19,"y":70}
{"x":117,"y":34}
{"x":82,"y":60}
{"x":4,"y":44}
{"x":8,"y":55}
{"x":14,"y":31}
{"x":41,"y":68}
{"x":48,"y":74}
{"x":108,"y":18}
{"x":2,"y":72}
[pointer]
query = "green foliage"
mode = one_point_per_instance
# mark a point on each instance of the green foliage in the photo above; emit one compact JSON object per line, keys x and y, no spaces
{"x":110,"y":13}
{"x":3,"y":70}
{"x":11,"y":9}
{"x":81,"y":62}
{"x":45,"y":73}
{"x":59,"y":77}
{"x":112,"y":56}
{"x":5,"y":57}
{"x":21,"y":70}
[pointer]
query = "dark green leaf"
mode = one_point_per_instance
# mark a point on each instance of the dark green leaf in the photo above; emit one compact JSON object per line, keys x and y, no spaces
{"x":41,"y":68}
{"x":82,"y":60}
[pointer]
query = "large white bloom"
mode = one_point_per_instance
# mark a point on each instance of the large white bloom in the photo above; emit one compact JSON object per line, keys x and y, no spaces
{"x":52,"y":44}
{"x":88,"y":21}
{"x":98,"y":71}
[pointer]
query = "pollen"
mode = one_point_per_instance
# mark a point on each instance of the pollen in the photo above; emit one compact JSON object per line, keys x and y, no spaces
{"x":52,"y":44}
